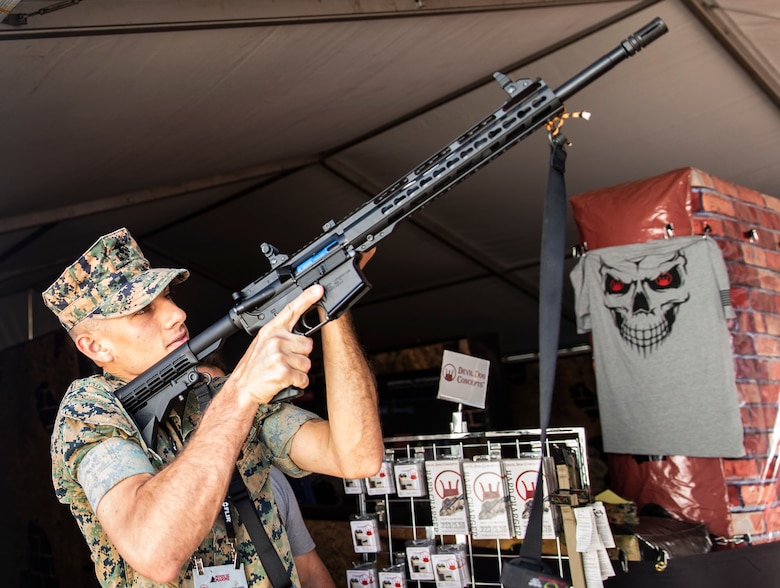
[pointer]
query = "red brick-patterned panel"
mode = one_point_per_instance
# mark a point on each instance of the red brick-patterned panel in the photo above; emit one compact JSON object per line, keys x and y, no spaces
{"x":746,"y":225}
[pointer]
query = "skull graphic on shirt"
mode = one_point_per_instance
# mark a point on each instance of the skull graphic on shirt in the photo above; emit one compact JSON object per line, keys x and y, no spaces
{"x":644,"y":294}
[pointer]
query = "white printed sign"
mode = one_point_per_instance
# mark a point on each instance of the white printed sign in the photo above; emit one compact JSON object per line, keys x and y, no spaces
{"x":463,"y":379}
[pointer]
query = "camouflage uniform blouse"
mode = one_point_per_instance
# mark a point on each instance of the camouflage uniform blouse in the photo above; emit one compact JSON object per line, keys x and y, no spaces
{"x":90,"y":415}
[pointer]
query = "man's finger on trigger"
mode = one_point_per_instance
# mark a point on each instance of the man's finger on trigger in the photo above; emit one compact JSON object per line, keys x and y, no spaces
{"x":302,"y":303}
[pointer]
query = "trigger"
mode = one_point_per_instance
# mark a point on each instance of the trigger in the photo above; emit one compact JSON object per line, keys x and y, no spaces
{"x":311,"y":322}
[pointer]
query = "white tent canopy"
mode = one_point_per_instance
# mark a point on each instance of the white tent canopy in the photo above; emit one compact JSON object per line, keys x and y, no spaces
{"x":207,"y":128}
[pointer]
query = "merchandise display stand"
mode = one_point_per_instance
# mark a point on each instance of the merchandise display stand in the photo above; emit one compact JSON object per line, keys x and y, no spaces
{"x":403,"y":519}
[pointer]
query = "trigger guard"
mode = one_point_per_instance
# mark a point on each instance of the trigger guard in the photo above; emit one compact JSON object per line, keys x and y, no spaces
{"x":305,"y":327}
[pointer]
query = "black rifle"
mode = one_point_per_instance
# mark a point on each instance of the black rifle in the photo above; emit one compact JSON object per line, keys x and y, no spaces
{"x":332,"y":258}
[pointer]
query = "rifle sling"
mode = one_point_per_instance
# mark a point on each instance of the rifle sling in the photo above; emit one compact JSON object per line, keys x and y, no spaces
{"x":274,"y":568}
{"x":550,"y":300}
{"x":238,"y":495}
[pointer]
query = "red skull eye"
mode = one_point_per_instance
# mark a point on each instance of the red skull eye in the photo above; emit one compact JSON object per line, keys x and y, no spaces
{"x":615,"y":285}
{"x":664,"y":280}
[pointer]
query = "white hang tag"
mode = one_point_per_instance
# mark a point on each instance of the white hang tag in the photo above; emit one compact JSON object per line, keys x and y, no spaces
{"x":227,"y":576}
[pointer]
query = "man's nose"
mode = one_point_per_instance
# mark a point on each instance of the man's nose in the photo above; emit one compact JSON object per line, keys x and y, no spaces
{"x":174,"y":314}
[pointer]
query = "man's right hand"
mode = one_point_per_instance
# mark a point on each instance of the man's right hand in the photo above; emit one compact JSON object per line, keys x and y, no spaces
{"x":277,"y":356}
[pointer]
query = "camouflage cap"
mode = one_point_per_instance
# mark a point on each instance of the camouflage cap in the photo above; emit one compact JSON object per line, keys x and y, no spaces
{"x":111,"y":279}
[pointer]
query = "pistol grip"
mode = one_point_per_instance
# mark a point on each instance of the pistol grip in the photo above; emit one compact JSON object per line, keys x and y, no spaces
{"x":288,"y":393}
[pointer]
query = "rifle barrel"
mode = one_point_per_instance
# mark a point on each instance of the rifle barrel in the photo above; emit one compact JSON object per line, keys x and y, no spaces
{"x":632,"y":45}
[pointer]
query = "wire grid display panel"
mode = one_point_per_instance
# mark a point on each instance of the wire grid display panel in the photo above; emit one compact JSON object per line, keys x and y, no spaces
{"x":405,"y":518}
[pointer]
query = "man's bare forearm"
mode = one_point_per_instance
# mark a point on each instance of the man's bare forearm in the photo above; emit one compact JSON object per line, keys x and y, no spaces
{"x":352,"y":401}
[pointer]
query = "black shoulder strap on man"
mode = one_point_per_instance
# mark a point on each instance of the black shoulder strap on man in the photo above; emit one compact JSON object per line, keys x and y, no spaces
{"x":239,"y":496}
{"x":272,"y":563}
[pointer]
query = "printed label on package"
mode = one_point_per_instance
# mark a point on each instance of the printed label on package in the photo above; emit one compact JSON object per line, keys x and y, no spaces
{"x":447,"y":493}
{"x":449,"y":570}
{"x":362,"y":578}
{"x":521,"y":475}
{"x":383,"y":482}
{"x":365,"y":535}
{"x":488,"y":503}
{"x":419,"y":561}
{"x":392,"y":579}
{"x":354,"y":486}
{"x":409,"y":478}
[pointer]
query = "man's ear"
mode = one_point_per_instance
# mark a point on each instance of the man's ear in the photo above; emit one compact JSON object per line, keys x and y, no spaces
{"x":93,"y":348}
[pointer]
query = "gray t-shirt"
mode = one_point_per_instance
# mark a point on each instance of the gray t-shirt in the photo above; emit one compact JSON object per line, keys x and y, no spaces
{"x":664,"y":366}
{"x":301,"y":541}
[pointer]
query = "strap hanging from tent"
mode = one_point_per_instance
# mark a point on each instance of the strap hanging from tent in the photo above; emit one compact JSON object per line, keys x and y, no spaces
{"x":520,"y":571}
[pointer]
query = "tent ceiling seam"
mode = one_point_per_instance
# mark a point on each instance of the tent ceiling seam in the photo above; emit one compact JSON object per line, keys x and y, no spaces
{"x":716,"y":19}
{"x":53,"y":215}
{"x":360,"y":12}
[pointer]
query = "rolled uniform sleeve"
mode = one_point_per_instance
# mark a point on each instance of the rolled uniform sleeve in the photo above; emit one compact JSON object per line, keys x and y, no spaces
{"x":94,"y":445}
{"x":89,"y":416}
{"x":277,"y":432}
{"x":107,"y":464}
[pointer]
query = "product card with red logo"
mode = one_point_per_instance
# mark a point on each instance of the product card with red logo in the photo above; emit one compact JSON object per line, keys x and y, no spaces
{"x":463,"y":379}
{"x":393,"y":577}
{"x":383,"y":482}
{"x":365,"y":534}
{"x":451,"y":569}
{"x":410,"y":477}
{"x":488,"y":504}
{"x":521,"y":476}
{"x":362,"y":577}
{"x":419,"y":560}
{"x":448,"y":497}
{"x":226,"y":576}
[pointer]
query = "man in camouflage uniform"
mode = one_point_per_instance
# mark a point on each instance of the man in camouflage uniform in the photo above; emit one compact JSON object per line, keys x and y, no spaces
{"x":149,"y":514}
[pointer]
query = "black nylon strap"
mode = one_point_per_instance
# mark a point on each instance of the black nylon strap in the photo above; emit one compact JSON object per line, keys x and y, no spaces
{"x":272,"y":563}
{"x":550,"y":300}
{"x":239,"y":497}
